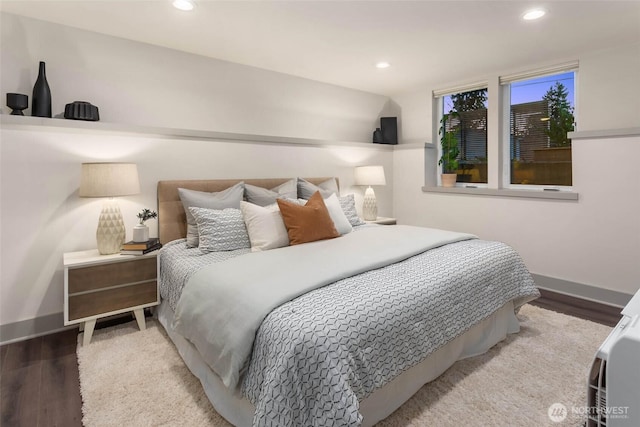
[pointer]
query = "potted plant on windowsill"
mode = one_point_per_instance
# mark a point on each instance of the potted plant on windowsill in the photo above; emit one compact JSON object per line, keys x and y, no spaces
{"x":449,"y":158}
{"x":141,"y":231}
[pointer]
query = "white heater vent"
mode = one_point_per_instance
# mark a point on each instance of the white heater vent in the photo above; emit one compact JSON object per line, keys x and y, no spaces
{"x":613,"y":389}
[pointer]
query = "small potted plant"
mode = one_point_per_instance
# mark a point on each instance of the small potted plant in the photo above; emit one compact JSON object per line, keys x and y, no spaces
{"x":450,"y":152}
{"x":141,"y":231}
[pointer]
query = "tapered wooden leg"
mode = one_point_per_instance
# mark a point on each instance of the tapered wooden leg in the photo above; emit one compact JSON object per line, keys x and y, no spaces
{"x":140,"y":318}
{"x":88,"y":331}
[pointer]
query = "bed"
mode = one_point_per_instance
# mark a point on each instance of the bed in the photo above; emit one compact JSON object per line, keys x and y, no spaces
{"x":339,"y":331}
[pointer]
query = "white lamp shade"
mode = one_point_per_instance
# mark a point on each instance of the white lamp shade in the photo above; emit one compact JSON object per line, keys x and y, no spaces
{"x":370,"y":175}
{"x":109,"y":180}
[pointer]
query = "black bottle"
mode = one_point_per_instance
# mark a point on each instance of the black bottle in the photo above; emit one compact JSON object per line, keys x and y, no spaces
{"x":41,"y":99}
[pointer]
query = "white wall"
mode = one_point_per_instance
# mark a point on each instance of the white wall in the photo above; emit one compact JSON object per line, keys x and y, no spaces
{"x":609,"y":89}
{"x":42,"y":216}
{"x":607,"y":97}
{"x":594,"y":241}
{"x":133,"y":82}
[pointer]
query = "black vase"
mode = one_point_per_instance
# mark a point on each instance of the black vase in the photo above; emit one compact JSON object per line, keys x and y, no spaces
{"x":41,"y":99}
{"x":377,"y":136}
{"x":17,"y":102}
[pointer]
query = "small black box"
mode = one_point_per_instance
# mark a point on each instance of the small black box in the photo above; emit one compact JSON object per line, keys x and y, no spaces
{"x":389,"y":126}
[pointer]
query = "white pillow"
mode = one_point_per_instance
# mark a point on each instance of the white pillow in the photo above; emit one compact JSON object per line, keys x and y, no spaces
{"x":341,"y":222}
{"x":265,"y":226}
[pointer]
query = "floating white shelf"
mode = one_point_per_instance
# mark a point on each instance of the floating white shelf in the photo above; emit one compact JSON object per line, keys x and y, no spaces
{"x":53,"y":124}
{"x":604,"y":133}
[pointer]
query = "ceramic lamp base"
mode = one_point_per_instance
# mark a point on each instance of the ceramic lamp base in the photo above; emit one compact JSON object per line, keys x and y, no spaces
{"x":110,"y":233}
{"x":370,"y":206}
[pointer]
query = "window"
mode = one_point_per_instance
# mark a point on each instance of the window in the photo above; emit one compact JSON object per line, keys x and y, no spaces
{"x":507,"y":135}
{"x":541,"y":112}
{"x":463,"y":119}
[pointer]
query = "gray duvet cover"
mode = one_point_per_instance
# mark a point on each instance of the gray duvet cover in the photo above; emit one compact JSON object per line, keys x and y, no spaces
{"x":324,"y":344}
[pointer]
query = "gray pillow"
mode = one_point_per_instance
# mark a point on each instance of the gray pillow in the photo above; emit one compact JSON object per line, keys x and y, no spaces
{"x":229,"y":198}
{"x":348,"y":204}
{"x":326,"y":188}
{"x":264,"y":197}
{"x":220,"y":230}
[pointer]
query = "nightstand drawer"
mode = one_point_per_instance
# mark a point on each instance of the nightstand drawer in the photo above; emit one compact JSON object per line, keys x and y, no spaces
{"x":97,"y":286}
{"x":108,"y":300}
{"x":97,"y":277}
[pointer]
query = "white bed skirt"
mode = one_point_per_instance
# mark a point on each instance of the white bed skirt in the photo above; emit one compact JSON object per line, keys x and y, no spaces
{"x":380,"y":404}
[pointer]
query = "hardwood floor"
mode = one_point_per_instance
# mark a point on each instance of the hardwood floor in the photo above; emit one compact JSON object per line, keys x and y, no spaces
{"x":584,"y":309}
{"x":40,"y":384}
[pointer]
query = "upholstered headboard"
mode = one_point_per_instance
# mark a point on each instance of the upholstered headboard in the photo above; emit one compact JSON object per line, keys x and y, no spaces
{"x":172,"y":221}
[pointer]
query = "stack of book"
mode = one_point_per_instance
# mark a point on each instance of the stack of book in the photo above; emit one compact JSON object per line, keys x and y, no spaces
{"x":140,"y":248}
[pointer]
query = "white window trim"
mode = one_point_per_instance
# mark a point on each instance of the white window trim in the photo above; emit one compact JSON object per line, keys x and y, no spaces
{"x":546,"y":71}
{"x":441,"y":93}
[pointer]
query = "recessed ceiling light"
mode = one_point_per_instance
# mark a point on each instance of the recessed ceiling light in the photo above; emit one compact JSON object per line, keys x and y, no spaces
{"x":532,"y":14}
{"x":383,"y":64}
{"x":185,"y":5}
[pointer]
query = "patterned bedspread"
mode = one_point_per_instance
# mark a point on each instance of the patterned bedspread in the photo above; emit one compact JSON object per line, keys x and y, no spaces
{"x":178,"y":263}
{"x":317,"y":356}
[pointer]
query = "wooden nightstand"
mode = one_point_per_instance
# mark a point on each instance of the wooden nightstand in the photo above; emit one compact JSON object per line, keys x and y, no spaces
{"x":97,"y":286}
{"x":383,"y":221}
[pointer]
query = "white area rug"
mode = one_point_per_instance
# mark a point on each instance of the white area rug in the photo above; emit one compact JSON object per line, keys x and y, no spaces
{"x":130,"y":377}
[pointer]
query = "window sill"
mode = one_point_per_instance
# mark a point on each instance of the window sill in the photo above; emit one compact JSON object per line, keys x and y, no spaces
{"x":504,"y":192}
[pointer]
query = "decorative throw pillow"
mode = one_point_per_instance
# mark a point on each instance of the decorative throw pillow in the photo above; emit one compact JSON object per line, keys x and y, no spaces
{"x":307,"y":223}
{"x":340,"y":221}
{"x":220,"y":230}
{"x":348,"y":204}
{"x":229,"y":198}
{"x":265,"y":226}
{"x":326,"y":188}
{"x":263,"y":197}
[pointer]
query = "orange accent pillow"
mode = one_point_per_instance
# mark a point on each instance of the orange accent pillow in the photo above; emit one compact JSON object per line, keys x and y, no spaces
{"x":307,"y":223}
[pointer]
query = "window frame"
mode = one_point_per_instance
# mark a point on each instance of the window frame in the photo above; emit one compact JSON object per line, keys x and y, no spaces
{"x":498,"y":137}
{"x":438,"y":98}
{"x":505,"y":136}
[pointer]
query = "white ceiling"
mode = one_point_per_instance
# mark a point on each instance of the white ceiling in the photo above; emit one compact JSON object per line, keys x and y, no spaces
{"x":339,"y":42}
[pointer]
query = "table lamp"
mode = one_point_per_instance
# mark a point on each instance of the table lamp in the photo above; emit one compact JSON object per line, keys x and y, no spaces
{"x":109,"y":180}
{"x":369,"y":175}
